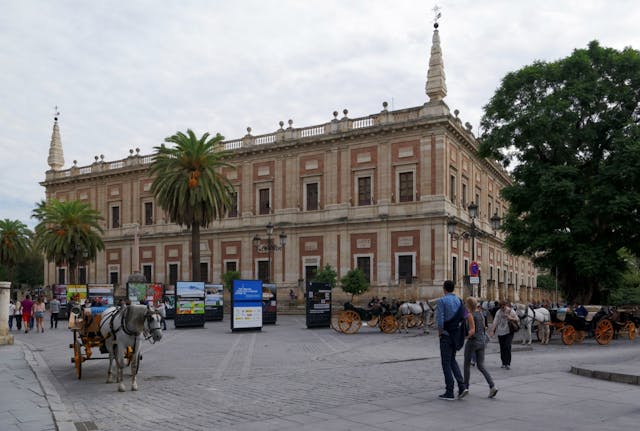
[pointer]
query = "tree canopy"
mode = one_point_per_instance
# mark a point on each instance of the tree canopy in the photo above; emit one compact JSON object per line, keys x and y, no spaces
{"x":15,"y":244}
{"x":190,"y":186}
{"x":68,"y":233}
{"x":571,"y":126}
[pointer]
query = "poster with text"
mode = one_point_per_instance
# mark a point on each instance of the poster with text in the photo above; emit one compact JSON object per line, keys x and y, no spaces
{"x":76,"y":293}
{"x":190,"y":306}
{"x":190,"y":289}
{"x":213,"y":295}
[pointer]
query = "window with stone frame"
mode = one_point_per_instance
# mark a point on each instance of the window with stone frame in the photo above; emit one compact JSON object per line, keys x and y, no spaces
{"x":452,"y":188}
{"x":233,"y":210}
{"x":147,"y":271}
{"x":264,"y":205}
{"x":231,"y":265}
{"x":364,"y":191}
{"x":405,"y":187}
{"x":148,"y":213}
{"x":364,"y":263}
{"x":115,"y":216}
{"x":204,"y":271}
{"x":312,"y":196}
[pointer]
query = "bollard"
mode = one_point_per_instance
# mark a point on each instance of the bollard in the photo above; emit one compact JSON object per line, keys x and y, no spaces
{"x":5,"y":291}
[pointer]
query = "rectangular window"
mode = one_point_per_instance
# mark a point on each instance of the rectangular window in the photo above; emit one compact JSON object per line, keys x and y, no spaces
{"x":62,"y":276}
{"x":454,"y":268}
{"x":364,"y":191}
{"x":406,"y":186}
{"x":466,"y":267}
{"x":115,"y":217}
{"x":405,"y":268}
{"x":364,"y":263}
{"x":231,"y":265}
{"x":452,"y":188}
{"x":263,"y":197}
{"x":147,"y":271}
{"x":204,"y":271}
{"x":82,"y":275}
{"x":173,"y":273}
{"x":113,"y":277}
{"x":148,"y":213}
{"x":464,"y":195}
{"x":312,"y":196}
{"x":489,"y":214}
{"x":490,"y":272}
{"x":477,"y":202}
{"x":310,"y":272}
{"x":263,"y":271}
{"x":233,"y":211}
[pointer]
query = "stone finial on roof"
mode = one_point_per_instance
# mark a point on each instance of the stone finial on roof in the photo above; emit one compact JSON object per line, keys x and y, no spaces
{"x":436,"y":87}
{"x":56,"y":156}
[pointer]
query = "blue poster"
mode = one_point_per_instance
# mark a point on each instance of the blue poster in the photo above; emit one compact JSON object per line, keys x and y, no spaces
{"x":247,"y":290}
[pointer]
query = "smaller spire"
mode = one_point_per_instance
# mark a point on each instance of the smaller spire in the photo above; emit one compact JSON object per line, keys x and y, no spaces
{"x":436,"y":87}
{"x":56,"y":156}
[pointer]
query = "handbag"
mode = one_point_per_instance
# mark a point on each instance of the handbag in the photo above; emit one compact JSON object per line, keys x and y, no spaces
{"x":514,"y":326}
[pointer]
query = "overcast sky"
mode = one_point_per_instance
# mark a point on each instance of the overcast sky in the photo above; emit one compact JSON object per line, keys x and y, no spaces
{"x":127,"y":74}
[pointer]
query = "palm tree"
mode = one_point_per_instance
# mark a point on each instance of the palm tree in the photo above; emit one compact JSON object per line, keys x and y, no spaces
{"x":68,"y":233}
{"x":189,"y":184}
{"x":15,"y":244}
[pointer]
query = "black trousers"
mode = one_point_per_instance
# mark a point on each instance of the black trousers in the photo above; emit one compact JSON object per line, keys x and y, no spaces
{"x":505,"y":348}
{"x":54,"y":320}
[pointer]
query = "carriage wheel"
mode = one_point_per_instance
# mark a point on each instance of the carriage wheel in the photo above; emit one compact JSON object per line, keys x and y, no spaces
{"x":77,"y":354}
{"x":568,"y":335}
{"x":539,"y":333}
{"x":334,"y":323}
{"x":389,"y":324}
{"x":413,"y":321}
{"x":604,"y":332}
{"x":373,"y":321}
{"x":580,"y":336}
{"x":349,"y":322}
{"x":630,"y":327}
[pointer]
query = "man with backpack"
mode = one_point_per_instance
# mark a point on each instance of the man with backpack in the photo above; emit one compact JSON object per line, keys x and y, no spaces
{"x":451,"y":315}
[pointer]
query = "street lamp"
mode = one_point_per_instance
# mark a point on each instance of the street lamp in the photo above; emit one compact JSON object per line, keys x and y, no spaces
{"x":473,"y":232}
{"x":270,"y":245}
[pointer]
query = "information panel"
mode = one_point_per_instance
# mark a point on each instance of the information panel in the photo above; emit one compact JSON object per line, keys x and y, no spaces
{"x":100,"y":295}
{"x":318,"y":305}
{"x":269,"y":303}
{"x":189,"y":303}
{"x":246,"y":304}
{"x":170,"y":301}
{"x":60,"y":293}
{"x":213,"y":302}
{"x":76,"y":293}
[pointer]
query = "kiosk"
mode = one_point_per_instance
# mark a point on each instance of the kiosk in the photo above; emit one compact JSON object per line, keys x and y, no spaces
{"x":189,"y":304}
{"x":318,"y":305}
{"x":213,"y":302}
{"x":269,"y":304}
{"x":246,"y":305}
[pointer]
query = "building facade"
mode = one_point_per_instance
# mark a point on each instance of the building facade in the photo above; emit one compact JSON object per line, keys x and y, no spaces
{"x":375,"y":192}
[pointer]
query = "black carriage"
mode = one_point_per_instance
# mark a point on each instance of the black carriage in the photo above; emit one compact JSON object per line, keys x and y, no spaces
{"x":349,"y":321}
{"x":574,"y":328}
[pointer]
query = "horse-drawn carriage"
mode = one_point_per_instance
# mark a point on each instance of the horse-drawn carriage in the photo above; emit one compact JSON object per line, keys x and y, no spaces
{"x":603,"y":323}
{"x":349,"y":320}
{"x":113,"y":330}
{"x":84,"y":322}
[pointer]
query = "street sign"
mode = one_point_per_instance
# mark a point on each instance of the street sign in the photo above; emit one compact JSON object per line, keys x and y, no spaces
{"x":474,"y":280}
{"x":474,"y":269}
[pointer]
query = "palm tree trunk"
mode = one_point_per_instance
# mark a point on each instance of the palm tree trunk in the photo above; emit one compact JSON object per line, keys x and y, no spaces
{"x":195,"y":251}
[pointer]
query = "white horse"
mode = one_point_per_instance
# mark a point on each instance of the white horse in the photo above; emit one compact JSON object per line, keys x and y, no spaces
{"x":121,"y":329}
{"x":419,"y":313}
{"x":527,"y":315}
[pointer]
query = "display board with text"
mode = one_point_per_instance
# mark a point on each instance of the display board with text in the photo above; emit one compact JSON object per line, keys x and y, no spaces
{"x":318,"y":305}
{"x":269,"y":303}
{"x":189,"y":301}
{"x":246,"y":305}
{"x":213,"y":302}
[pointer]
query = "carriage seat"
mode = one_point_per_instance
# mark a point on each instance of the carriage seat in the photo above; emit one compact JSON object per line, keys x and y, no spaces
{"x":86,"y":319}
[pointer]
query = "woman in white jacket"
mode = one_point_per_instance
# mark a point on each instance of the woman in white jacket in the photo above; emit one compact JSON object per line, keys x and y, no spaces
{"x":500,"y":327}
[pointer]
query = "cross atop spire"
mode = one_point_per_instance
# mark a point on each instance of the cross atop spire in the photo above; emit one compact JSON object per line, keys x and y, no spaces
{"x":436,"y":87}
{"x":56,"y":156}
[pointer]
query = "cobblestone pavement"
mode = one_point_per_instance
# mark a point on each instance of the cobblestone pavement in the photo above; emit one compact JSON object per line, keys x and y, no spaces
{"x":290,"y":377}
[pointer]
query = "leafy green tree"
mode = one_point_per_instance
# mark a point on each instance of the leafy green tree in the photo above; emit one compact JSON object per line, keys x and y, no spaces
{"x":354,"y":282}
{"x":68,"y":233}
{"x":628,"y":292}
{"x":30,"y":270}
{"x":189,"y":184}
{"x":572,"y":128}
{"x":228,"y":277}
{"x":15,"y":244}
{"x":327,"y":275}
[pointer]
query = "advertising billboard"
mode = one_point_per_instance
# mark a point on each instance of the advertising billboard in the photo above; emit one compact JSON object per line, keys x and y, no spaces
{"x":246,"y":304}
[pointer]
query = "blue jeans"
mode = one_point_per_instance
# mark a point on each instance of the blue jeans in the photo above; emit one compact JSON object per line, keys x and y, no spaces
{"x":450,"y":366}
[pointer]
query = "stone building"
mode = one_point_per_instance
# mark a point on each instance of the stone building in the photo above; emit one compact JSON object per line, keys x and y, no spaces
{"x":375,"y":192}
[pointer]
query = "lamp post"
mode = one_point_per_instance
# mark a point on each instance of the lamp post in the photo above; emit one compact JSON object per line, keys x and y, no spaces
{"x":474,"y":231}
{"x":270,"y":246}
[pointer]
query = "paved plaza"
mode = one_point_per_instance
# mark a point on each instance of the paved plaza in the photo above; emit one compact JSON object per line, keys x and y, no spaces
{"x":288,"y":377}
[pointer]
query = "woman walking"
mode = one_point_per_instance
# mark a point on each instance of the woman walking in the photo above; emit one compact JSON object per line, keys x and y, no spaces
{"x":18,"y":315}
{"x":38,"y":311}
{"x":475,"y":345}
{"x":501,"y":327}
